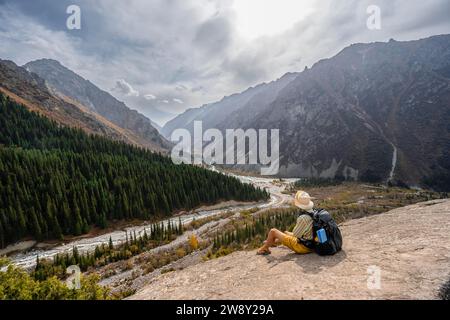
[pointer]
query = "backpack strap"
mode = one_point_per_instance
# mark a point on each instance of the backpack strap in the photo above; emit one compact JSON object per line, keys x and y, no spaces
{"x":311,"y":214}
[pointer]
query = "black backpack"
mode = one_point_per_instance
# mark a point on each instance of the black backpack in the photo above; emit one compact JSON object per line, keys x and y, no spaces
{"x":323,"y":219}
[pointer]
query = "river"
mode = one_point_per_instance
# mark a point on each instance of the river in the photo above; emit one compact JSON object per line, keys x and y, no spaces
{"x":27,"y":258}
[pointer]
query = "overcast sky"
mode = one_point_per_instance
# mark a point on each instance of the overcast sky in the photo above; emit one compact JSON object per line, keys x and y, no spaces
{"x":163,"y":56}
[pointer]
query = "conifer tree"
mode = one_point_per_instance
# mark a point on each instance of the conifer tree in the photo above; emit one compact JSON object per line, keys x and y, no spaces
{"x":61,"y":181}
{"x":110,"y":244}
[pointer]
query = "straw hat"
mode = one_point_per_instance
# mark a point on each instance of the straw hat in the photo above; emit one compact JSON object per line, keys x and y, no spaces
{"x":303,"y":200}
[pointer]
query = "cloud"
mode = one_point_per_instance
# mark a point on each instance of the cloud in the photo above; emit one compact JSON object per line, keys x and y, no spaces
{"x":194,"y":50}
{"x":181,"y":87}
{"x":248,"y":66}
{"x":197,"y":88}
{"x":214,"y":36}
{"x":125,"y":88}
{"x":177,"y":100}
{"x":149,"y":96}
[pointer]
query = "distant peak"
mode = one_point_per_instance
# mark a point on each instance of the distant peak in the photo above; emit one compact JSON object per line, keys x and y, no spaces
{"x":45,"y":62}
{"x":8,"y":63}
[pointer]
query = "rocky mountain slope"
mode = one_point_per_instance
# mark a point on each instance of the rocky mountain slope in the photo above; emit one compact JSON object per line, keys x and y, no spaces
{"x":32,"y":91}
{"x":409,"y":246}
{"x":374,"y":112}
{"x":65,"y":82}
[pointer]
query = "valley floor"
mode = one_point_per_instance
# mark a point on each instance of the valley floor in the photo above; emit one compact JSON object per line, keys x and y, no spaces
{"x":409,"y":246}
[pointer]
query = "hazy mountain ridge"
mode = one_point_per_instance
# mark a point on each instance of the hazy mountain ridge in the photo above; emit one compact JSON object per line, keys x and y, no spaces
{"x":68,"y":83}
{"x":346,"y":115}
{"x":214,"y":114}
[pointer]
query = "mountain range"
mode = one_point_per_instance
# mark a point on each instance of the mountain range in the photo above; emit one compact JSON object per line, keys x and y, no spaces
{"x":376,"y":112}
{"x":60,"y":94}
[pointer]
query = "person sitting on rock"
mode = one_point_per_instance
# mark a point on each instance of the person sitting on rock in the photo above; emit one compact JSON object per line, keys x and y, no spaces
{"x":303,"y":229}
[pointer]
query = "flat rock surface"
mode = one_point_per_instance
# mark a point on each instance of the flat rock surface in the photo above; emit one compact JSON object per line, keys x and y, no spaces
{"x":409,"y":246}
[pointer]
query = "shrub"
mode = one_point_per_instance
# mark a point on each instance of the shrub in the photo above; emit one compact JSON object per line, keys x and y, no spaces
{"x":17,"y":284}
{"x":180,"y":252}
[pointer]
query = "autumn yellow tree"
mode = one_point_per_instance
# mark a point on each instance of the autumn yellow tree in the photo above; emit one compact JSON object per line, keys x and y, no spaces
{"x":193,"y":242}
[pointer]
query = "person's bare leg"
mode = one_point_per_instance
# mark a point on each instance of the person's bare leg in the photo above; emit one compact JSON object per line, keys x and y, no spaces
{"x":277,"y":241}
{"x":274,"y":234}
{"x":273,"y":244}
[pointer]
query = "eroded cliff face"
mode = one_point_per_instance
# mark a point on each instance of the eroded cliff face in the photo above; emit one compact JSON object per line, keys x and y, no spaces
{"x":374,"y":112}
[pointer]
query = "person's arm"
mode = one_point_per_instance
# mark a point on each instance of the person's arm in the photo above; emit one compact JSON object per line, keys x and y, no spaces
{"x":289,"y":233}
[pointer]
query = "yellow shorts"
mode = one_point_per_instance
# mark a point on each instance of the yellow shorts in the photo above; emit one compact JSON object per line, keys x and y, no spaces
{"x":292,"y":243}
